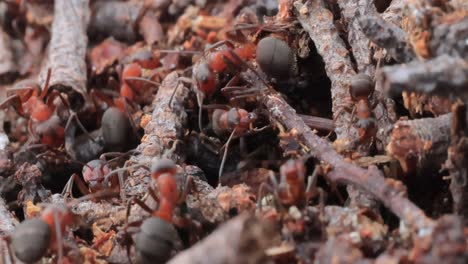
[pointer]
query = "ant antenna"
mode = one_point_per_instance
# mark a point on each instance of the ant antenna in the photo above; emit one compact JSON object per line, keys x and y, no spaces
{"x":223,"y":161}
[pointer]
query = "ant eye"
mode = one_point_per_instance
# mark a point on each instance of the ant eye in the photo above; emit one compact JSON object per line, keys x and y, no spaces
{"x":361,"y":86}
{"x":275,"y":57}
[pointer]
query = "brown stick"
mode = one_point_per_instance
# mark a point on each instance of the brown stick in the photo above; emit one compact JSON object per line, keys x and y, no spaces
{"x":8,"y":67}
{"x":67,"y":48}
{"x":386,"y":35}
{"x":390,"y":192}
{"x":457,"y":162}
{"x":360,"y":44}
{"x":318,"y":22}
{"x":420,"y":145}
{"x":444,"y":75}
{"x":241,"y":240}
{"x":394,"y":12}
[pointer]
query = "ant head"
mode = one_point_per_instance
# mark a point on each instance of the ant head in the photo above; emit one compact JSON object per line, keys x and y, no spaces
{"x":155,"y":241}
{"x":275,"y":57}
{"x":361,"y":86}
{"x":292,"y":169}
{"x":163,"y":166}
{"x":31,"y":240}
{"x":116,"y":130}
{"x":94,"y":172}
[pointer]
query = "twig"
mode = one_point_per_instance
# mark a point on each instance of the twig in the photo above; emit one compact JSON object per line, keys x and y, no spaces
{"x":360,"y":44}
{"x":318,"y":22}
{"x":386,"y":35}
{"x":241,"y":240}
{"x":390,"y":192}
{"x":8,"y":67}
{"x":394,"y":12}
{"x":421,"y":144}
{"x":67,"y":48}
{"x":457,"y":162}
{"x":444,"y":75}
{"x":166,"y":127}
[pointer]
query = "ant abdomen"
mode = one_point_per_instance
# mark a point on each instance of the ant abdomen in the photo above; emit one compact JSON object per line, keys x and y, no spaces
{"x":275,"y":57}
{"x":155,"y":241}
{"x":116,"y":130}
{"x":31,"y":240}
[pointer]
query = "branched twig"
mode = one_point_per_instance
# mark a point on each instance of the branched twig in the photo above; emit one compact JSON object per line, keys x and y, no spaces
{"x":318,"y":22}
{"x":390,"y":192}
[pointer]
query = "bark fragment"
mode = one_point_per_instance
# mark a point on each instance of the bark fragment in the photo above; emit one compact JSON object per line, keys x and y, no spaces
{"x":8,"y":67}
{"x":67,"y":48}
{"x":420,"y":145}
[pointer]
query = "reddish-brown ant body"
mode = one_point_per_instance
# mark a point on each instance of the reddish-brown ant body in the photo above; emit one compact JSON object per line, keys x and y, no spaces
{"x":292,"y":188}
{"x":235,"y":121}
{"x":157,"y":234}
{"x":361,"y":90}
{"x":31,"y":102}
{"x":33,"y":237}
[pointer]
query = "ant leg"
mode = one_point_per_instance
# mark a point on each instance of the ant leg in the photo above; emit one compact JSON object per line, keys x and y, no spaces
{"x":139,"y":203}
{"x":6,"y":240}
{"x":152,"y":193}
{"x":16,"y":103}
{"x":188,"y":186}
{"x":68,"y":189}
{"x":45,"y":89}
{"x":81,"y":126}
{"x":58,"y":236}
{"x":142,"y":80}
{"x":129,"y":116}
{"x":311,"y":188}
{"x":108,"y":175}
{"x":225,"y":155}
{"x":121,"y":185}
{"x":264,"y":187}
{"x":200,"y":97}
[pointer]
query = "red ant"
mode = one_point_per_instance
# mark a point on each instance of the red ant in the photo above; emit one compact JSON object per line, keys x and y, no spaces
{"x":361,"y":90}
{"x":94,"y":174}
{"x":44,"y":122}
{"x":156,"y":238}
{"x":291,"y":190}
{"x":235,"y":121}
{"x":33,"y":237}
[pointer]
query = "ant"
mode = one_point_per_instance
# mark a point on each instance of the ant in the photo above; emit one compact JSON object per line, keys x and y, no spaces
{"x":361,"y":90}
{"x":94,"y":175}
{"x":235,"y":121}
{"x":33,"y":237}
{"x":291,"y":190}
{"x":158,"y":232}
{"x":44,"y":121}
